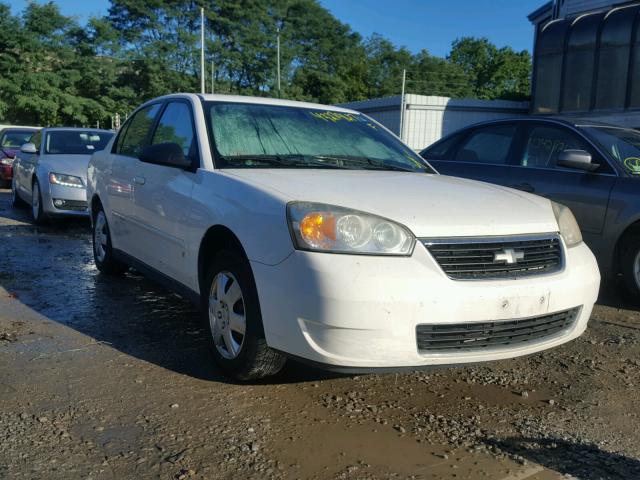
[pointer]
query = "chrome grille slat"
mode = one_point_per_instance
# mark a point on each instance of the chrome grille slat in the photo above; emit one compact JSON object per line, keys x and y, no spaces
{"x":474,"y":336}
{"x":473,"y":258}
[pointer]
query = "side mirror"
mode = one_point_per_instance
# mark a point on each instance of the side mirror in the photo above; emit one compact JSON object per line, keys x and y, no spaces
{"x":168,"y":154}
{"x":29,"y":148}
{"x":578,"y":159}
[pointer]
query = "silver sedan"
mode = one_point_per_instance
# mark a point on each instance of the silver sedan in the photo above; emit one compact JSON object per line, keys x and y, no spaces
{"x":50,"y":172}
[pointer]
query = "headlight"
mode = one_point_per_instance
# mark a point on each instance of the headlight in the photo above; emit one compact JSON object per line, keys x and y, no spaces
{"x":65,"y":180}
{"x":567,"y":224}
{"x":327,"y":228}
{"x":6,"y":161}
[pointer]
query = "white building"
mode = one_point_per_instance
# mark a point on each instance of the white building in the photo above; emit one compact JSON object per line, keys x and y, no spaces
{"x":427,"y":118}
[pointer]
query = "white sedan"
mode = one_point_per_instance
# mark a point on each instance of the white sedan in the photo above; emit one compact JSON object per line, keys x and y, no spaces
{"x":312,"y":232}
{"x":50,"y":172}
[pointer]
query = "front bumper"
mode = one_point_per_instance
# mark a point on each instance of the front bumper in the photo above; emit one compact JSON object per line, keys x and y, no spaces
{"x":362,"y":311}
{"x":58,"y":200}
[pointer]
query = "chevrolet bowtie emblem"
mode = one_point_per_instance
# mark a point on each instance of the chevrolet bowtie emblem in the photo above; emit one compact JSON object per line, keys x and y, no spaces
{"x":508,"y":255}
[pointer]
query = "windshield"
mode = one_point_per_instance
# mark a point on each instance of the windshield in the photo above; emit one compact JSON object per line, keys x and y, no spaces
{"x":623,"y":144}
{"x":267,"y":136}
{"x":74,"y":142}
{"x":16,"y":138}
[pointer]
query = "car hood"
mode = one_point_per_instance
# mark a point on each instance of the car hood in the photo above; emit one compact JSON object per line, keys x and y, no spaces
{"x":429,"y":205}
{"x":67,"y":164}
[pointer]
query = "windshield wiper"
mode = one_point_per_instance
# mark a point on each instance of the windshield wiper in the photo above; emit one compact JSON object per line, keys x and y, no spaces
{"x":367,"y":162}
{"x":292,"y":160}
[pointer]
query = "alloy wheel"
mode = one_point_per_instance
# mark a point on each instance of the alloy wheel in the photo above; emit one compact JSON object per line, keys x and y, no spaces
{"x":636,"y":269}
{"x":101,"y":236}
{"x":227,"y":317}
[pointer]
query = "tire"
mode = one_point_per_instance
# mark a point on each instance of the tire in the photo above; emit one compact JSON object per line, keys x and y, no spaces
{"x":230,"y":305}
{"x":38,"y":215}
{"x":630,"y":266}
{"x":102,"y":250}
{"x":16,"y":201}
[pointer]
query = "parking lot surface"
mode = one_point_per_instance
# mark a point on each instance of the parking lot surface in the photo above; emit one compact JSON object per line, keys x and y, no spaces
{"x":110,"y":378}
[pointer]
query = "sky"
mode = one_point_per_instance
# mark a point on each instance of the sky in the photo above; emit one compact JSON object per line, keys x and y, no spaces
{"x":415,"y":24}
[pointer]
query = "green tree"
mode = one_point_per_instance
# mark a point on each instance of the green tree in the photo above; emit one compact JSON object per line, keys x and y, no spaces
{"x":495,"y":73}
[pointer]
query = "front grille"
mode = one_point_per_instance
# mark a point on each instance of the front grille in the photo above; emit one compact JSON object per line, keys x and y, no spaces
{"x":487,"y":258}
{"x":480,"y":335}
{"x":75,"y":205}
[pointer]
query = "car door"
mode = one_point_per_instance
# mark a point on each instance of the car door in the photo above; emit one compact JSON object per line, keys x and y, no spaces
{"x":121,"y":183}
{"x":162,"y":195}
{"x":480,"y":153}
{"x":536,"y":170}
{"x":27,"y":166}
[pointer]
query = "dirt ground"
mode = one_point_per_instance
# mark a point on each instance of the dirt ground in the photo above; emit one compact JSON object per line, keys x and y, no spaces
{"x":107,"y":378}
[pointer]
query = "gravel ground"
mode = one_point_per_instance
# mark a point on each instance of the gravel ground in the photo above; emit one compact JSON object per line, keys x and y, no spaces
{"x":111,"y":378}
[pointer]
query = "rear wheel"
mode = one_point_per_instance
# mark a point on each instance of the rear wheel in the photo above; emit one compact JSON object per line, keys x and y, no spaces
{"x":102,"y":250}
{"x":630,"y":266}
{"x":36,"y":204}
{"x":232,"y":314}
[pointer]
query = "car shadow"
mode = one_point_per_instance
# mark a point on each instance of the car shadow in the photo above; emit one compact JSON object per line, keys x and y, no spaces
{"x":585,"y":461}
{"x":51,"y":270}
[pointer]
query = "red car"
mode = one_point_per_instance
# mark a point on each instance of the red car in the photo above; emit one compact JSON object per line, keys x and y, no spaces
{"x":11,"y":139}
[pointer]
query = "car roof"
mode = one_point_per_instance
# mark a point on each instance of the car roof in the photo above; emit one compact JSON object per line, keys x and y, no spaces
{"x":20,"y":129}
{"x":76,"y":129}
{"x":209,"y":97}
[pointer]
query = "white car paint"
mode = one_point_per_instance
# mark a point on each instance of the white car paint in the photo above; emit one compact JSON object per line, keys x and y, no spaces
{"x":340,"y":310}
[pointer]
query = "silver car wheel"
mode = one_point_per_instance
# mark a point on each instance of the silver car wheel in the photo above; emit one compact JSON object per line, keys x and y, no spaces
{"x":227,"y":317}
{"x":35,"y":200}
{"x":636,"y":269}
{"x":100,"y":236}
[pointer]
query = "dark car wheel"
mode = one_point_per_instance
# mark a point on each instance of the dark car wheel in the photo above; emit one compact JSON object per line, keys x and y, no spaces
{"x":102,"y":250}
{"x":36,"y":204}
{"x":231,"y":312}
{"x":16,"y":201}
{"x":630,"y":266}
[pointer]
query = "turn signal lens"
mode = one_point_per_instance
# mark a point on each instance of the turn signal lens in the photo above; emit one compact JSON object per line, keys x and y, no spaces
{"x":318,"y":229}
{"x":329,"y":228}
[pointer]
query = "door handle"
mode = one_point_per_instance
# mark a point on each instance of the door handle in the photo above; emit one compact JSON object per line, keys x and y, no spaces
{"x":139,"y":180}
{"x":525,"y":187}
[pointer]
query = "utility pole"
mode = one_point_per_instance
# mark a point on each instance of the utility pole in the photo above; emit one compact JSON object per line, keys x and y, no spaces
{"x":278,"y":55}
{"x":202,"y":50}
{"x":404,"y":80}
{"x":213,"y":89}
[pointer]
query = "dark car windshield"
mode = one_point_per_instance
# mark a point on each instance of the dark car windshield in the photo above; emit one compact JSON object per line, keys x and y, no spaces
{"x":623,"y":144}
{"x":76,"y":142}
{"x":15,"y":138}
{"x":267,"y":136}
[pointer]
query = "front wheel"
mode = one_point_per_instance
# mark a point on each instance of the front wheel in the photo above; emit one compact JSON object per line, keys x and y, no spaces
{"x":232,"y":314}
{"x":630,"y":266}
{"x":102,"y":250}
{"x":36,"y":204}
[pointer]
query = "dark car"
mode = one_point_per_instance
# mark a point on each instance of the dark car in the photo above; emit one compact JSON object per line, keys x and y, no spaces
{"x":592,"y":168}
{"x":11,"y":139}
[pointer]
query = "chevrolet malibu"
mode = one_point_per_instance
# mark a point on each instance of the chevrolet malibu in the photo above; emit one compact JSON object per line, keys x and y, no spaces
{"x":50,"y":172}
{"x":311,"y":232}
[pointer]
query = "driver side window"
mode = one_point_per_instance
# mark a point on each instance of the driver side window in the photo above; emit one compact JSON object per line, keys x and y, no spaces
{"x":544,"y":144}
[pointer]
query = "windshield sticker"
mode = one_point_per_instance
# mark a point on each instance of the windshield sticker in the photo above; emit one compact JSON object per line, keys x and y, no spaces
{"x":335,"y":116}
{"x":633,"y":164}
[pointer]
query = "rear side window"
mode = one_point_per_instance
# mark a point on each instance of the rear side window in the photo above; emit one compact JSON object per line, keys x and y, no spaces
{"x":137,"y":129}
{"x":441,"y":149}
{"x":176,"y":126}
{"x":489,"y":145}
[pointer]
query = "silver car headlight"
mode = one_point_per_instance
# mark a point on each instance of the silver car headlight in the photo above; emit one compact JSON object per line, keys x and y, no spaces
{"x":569,"y":229}
{"x":328,"y":228}
{"x":6,"y":161}
{"x":65,"y":180}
